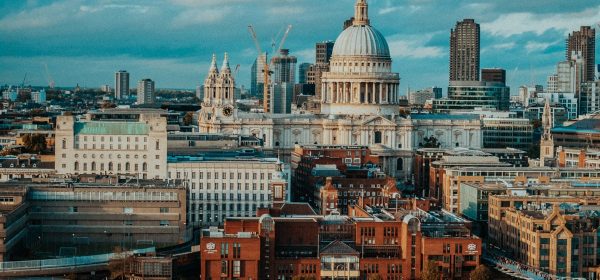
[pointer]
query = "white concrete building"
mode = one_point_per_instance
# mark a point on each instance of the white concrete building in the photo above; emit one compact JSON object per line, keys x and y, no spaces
{"x":115,"y":142}
{"x":229,"y":184}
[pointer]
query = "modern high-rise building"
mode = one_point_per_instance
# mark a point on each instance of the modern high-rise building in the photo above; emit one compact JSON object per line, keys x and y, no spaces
{"x":464,"y":51}
{"x":324,"y":51}
{"x":257,"y":76}
{"x":121,"y":84}
{"x":145,"y":91}
{"x":497,"y":75}
{"x":284,"y":68}
{"x":303,"y":70}
{"x":584,"y":42}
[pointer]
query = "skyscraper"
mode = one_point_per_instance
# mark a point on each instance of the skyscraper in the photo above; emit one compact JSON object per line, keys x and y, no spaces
{"x":145,"y":92}
{"x":464,"y":51}
{"x":284,"y":68}
{"x":121,"y":84}
{"x":257,"y":76}
{"x":324,"y":51}
{"x":303,"y":70}
{"x":497,"y":75}
{"x":583,"y":42}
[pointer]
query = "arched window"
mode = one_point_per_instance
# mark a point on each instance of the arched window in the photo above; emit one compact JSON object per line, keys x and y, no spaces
{"x":76,"y":167}
{"x":399,"y":164}
{"x":144,"y":166}
{"x":127,"y":166}
{"x":377,"y":137}
{"x":85,"y":166}
{"x":110,"y":166}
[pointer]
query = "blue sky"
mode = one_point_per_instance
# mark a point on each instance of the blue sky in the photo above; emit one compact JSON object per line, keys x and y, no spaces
{"x":171,"y":41}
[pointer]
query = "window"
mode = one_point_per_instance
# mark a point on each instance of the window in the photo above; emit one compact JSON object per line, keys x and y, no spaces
{"x":73,"y":209}
{"x":164,"y":223}
{"x":377,"y":137}
{"x":224,"y":267}
{"x":128,"y":210}
{"x":164,"y":210}
{"x":128,"y":223}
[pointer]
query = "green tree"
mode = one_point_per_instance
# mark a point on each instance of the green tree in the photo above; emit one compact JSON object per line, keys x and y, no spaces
{"x":431,"y":271}
{"x":481,"y":273}
{"x":188,"y":118}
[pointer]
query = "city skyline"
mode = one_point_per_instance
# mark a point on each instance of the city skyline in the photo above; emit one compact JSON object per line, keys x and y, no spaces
{"x":172,"y":42}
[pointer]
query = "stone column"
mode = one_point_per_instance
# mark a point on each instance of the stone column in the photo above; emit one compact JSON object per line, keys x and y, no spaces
{"x":373,"y":93}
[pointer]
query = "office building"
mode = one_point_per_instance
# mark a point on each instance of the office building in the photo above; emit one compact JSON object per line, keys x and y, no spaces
{"x":284,"y":68}
{"x":324,"y":51}
{"x":469,"y":95}
{"x":120,"y":142}
{"x":514,"y":133}
{"x":589,"y":97}
{"x":303,"y":71}
{"x":584,"y":43}
{"x":452,"y":177}
{"x":229,"y":184}
{"x":553,"y":234}
{"x":145,"y":92}
{"x":583,"y":133}
{"x":39,"y":97}
{"x":92,"y":216}
{"x":371,"y":242}
{"x":496,"y":75}
{"x":581,"y":158}
{"x":419,"y":97}
{"x":257,"y":78}
{"x":121,"y":85}
{"x":282,"y":95}
{"x":464,"y":51}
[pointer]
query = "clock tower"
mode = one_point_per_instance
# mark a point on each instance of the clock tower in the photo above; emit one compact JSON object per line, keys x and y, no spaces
{"x":219,"y":91}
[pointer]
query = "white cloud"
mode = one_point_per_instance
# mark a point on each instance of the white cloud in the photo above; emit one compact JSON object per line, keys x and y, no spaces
{"x":200,"y":16}
{"x":533,"y":46}
{"x":518,"y":23}
{"x":44,"y":16}
{"x":286,"y":10}
{"x":413,"y":47}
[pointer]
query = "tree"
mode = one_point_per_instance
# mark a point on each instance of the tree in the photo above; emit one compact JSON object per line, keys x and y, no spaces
{"x":34,"y":143}
{"x":188,"y":118}
{"x":481,"y":273}
{"x":431,"y":271}
{"x":430,"y":142}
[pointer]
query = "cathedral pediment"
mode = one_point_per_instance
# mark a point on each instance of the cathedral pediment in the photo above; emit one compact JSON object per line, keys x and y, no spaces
{"x":377,"y":120}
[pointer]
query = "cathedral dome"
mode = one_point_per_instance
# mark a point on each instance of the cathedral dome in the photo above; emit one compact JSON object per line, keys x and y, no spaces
{"x":361,"y":40}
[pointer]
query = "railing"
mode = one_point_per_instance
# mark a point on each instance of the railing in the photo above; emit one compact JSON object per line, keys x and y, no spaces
{"x":67,"y":262}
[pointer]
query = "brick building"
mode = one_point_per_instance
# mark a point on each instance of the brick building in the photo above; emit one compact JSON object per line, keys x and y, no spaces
{"x":368,"y":242}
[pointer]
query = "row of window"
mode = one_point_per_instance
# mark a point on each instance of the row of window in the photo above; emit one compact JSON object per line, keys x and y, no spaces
{"x":93,"y":166}
{"x":220,"y":175}
{"x":223,"y":186}
{"x":246,"y":196}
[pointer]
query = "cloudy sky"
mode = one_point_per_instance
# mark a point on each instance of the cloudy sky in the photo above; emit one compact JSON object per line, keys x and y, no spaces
{"x":171,"y":41}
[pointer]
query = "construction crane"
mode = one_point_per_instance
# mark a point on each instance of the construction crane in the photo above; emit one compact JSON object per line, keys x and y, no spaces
{"x":266,"y":70}
{"x":48,"y":77}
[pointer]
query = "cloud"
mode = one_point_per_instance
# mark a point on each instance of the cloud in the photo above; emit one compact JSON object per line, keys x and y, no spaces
{"x":286,"y":10}
{"x":532,"y":46}
{"x":200,"y":16}
{"x":518,"y":23}
{"x":43,"y":16}
{"x":414,"y":47}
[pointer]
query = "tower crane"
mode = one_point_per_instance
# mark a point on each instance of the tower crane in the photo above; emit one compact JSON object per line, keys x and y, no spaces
{"x":266,"y":68}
